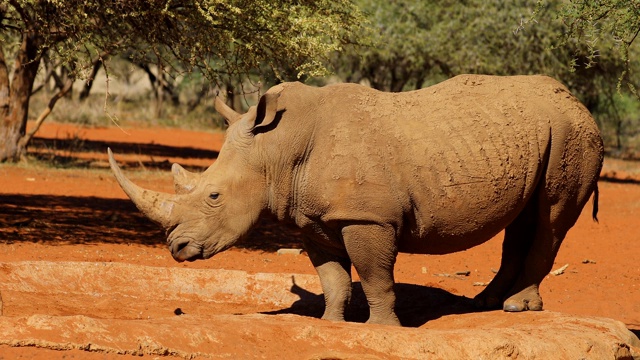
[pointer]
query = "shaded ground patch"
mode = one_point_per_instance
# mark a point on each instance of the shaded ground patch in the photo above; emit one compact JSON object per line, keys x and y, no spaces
{"x":90,"y":220}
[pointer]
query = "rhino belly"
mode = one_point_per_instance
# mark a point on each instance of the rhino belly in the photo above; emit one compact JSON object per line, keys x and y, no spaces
{"x":460,"y":222}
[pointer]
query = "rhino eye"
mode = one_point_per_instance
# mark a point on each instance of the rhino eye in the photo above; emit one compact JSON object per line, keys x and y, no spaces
{"x":214,"y":196}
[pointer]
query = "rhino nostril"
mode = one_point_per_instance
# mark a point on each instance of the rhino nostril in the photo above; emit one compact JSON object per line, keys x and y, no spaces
{"x":186,"y":251}
{"x":180,"y":247}
{"x":170,"y":229}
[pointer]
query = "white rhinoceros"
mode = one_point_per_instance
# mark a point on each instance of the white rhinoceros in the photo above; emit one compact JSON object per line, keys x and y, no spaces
{"x":369,"y":174}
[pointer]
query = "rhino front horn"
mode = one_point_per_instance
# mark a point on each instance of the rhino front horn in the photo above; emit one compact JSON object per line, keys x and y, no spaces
{"x":155,"y":205}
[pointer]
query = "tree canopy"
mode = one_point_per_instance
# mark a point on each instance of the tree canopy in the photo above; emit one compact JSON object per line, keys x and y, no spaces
{"x":604,"y":26}
{"x":218,"y":37}
{"x":431,"y":40}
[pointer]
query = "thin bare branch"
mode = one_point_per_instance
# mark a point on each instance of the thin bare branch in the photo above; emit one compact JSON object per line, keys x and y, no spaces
{"x":24,"y":141}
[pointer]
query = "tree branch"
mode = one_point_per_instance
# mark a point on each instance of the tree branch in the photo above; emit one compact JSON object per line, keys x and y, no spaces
{"x":45,"y":113}
{"x":97,"y":65}
{"x":47,"y":77}
{"x":23,"y":14}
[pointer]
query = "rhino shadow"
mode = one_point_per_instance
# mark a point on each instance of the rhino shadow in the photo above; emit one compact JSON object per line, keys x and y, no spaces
{"x":415,"y":304}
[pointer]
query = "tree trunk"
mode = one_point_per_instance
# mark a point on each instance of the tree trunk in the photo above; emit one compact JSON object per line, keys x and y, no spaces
{"x":14,"y":103}
{"x":235,"y":98}
{"x":159,"y":92}
{"x":4,"y":86}
{"x":204,"y":90}
{"x":97,"y":64}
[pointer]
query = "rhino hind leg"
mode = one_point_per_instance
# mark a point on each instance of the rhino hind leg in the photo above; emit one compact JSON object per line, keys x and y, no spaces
{"x":529,"y":249}
{"x":562,"y":193}
{"x":539,"y":261}
{"x":553,"y":222}
{"x":518,"y":237}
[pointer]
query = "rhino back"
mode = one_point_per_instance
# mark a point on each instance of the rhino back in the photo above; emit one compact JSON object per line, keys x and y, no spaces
{"x":448,"y":166}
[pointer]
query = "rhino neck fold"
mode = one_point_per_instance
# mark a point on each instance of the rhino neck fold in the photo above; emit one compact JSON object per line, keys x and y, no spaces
{"x":285,"y":172}
{"x":285,"y":183}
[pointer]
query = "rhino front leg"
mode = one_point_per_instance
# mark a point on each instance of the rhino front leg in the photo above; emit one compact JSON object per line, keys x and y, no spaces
{"x":373,"y":251}
{"x":335,"y":276}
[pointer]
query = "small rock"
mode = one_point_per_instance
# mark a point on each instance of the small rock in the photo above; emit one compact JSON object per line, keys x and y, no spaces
{"x":588,"y":261}
{"x":479,"y":283}
{"x":442,"y":275}
{"x":463,"y":273}
{"x":424,"y":269}
{"x":559,"y":271}
{"x":289,"y":251}
{"x":459,"y":275}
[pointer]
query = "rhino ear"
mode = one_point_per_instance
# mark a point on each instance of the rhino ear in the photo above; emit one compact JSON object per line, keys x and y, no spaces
{"x":227,"y":113}
{"x":267,"y":113}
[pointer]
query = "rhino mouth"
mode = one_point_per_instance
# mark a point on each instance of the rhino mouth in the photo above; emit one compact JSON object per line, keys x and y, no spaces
{"x":186,"y":252}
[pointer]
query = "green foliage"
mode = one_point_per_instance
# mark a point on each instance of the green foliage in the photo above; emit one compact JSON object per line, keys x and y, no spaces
{"x":607,"y":25}
{"x":426,"y":41}
{"x":619,"y":121}
{"x":220,"y":37}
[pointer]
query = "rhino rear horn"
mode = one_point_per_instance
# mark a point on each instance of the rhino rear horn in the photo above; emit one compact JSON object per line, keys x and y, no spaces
{"x":183,"y":181}
{"x":155,"y":205}
{"x":228,"y":113}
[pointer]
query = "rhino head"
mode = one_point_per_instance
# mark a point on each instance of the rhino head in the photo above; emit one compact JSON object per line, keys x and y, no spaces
{"x":211,"y":211}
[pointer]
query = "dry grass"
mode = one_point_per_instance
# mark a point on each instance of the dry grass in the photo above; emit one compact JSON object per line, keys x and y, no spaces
{"x":139,"y":111}
{"x":131,"y":101}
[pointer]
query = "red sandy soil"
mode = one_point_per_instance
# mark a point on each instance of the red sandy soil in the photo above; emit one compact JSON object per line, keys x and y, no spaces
{"x":77,"y":212}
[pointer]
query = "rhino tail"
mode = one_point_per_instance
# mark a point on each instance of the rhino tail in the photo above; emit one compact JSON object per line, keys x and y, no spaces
{"x":596,"y":194}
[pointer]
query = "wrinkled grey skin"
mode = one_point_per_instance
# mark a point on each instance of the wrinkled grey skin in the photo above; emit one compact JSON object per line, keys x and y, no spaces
{"x":368,"y":174}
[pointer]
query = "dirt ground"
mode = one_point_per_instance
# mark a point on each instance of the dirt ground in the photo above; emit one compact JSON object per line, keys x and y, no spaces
{"x":77,"y":212}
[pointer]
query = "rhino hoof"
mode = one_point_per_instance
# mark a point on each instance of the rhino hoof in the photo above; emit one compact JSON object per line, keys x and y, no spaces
{"x":516,"y":306}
